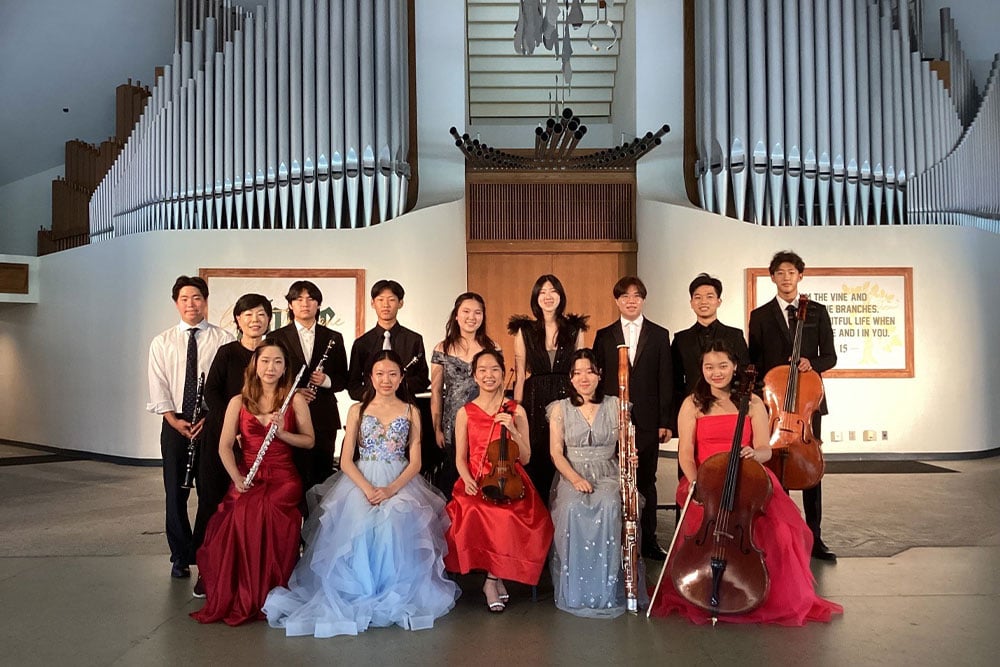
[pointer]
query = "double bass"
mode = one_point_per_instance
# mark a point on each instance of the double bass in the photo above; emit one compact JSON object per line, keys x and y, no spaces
{"x":792,"y":397}
{"x":718,"y":568}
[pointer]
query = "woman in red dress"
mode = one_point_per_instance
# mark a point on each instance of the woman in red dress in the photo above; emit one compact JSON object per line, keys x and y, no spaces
{"x":252,"y":542}
{"x":706,"y":425}
{"x":507,"y":541}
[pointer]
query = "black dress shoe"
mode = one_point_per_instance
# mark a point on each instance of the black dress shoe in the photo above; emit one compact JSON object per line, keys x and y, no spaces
{"x":820,"y":552}
{"x":654,"y":552}
{"x":179,"y":571}
{"x":199,"y":588}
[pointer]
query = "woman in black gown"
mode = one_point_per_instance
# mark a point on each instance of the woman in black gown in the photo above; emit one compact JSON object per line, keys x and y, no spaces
{"x":543,"y":346}
{"x":252,"y":314}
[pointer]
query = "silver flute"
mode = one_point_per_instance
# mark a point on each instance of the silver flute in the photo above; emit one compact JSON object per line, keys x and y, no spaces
{"x":273,"y":430}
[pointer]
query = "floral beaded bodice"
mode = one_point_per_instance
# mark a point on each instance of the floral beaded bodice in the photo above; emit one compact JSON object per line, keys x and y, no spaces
{"x":387,"y":443}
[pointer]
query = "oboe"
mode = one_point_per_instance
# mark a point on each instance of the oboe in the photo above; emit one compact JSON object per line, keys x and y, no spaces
{"x":192,"y":452}
{"x":629,"y":490}
{"x":319,"y":365}
{"x":273,"y":430}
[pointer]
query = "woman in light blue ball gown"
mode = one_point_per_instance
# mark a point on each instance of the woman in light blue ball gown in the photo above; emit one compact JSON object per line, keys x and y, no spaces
{"x":375,"y":542}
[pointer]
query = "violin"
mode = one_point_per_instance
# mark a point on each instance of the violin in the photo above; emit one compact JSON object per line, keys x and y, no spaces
{"x":792,"y":397}
{"x":502,"y":484}
{"x":719,"y":569}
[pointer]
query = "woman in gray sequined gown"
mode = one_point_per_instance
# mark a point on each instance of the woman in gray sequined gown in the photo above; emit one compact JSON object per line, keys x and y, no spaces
{"x":452,"y":384}
{"x":586,"y":561}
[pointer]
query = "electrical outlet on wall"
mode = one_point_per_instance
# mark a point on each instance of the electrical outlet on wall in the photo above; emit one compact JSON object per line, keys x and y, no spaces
{"x":836,"y":436}
{"x":868,"y":435}
{"x":885,"y":435}
{"x":852,"y":435}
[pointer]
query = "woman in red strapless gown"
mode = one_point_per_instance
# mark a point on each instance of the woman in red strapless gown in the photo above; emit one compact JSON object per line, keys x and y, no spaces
{"x":252,"y":542}
{"x":706,"y":425}
{"x":509,"y":541}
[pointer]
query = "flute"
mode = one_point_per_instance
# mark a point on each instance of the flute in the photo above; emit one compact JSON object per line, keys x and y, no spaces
{"x":629,"y":490}
{"x":272,"y":431}
{"x":319,"y":365}
{"x":192,"y":451}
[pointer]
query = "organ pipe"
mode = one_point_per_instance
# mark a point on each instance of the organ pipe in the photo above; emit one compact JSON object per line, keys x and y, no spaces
{"x":827,"y":112}
{"x":286,"y":116}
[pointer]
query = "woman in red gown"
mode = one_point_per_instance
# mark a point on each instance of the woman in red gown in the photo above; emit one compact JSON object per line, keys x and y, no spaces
{"x":507,"y":541}
{"x":706,"y":425}
{"x":252,"y":542}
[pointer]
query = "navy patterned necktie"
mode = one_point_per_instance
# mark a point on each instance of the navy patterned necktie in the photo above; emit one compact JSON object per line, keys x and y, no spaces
{"x":191,"y":375}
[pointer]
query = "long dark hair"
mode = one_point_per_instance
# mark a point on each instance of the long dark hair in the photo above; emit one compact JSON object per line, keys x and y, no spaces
{"x":253,"y":389}
{"x":368,"y":395}
{"x":574,"y":396}
{"x":453,"y":333}
{"x":702,"y":394}
{"x":564,"y":337}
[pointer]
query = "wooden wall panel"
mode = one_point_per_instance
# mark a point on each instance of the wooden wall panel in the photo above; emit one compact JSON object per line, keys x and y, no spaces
{"x":505,"y":274}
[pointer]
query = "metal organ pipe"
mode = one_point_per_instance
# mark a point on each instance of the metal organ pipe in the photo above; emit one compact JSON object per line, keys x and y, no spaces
{"x":836,"y":117}
{"x":262,"y":117}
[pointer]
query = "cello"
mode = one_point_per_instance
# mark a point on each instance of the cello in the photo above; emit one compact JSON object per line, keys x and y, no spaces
{"x":502,"y":484}
{"x":718,"y":568}
{"x":792,"y":397}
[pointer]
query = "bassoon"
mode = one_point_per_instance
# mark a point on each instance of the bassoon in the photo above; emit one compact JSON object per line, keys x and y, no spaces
{"x":629,"y":490}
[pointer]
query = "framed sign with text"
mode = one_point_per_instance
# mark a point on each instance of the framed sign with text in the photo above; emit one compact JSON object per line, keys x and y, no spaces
{"x":343,"y":307}
{"x":871,"y":311}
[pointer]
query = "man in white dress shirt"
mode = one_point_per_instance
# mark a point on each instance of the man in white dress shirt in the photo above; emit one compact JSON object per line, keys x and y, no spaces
{"x":177,"y":357}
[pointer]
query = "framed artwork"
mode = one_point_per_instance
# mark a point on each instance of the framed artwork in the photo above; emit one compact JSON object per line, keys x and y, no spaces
{"x":343,"y":307}
{"x":871,"y":311}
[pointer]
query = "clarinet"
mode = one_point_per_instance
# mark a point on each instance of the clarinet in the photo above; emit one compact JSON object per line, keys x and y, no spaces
{"x":272,"y":431}
{"x":188,"y":482}
{"x":628,"y":488}
{"x":412,"y":362}
{"x":319,"y":365}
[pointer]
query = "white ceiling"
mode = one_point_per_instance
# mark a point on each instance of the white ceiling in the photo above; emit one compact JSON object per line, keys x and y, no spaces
{"x":72,"y":54}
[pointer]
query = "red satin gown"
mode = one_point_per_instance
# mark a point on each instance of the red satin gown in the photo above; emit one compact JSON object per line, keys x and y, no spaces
{"x":781,"y":533}
{"x":511,"y":541}
{"x":252,"y":542}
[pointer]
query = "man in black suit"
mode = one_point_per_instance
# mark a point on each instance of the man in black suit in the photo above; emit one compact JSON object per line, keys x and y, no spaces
{"x":306,"y":341}
{"x":389,"y":334}
{"x":650,"y":389}
{"x":771,"y":345}
{"x":688,"y":345}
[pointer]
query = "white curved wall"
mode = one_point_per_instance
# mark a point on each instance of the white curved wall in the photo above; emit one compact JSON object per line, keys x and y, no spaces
{"x":74,"y":365}
{"x":951,"y":405}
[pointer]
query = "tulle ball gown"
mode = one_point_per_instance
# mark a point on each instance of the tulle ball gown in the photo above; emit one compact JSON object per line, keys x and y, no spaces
{"x":252,"y":542}
{"x":781,"y":533}
{"x":368,"y":565}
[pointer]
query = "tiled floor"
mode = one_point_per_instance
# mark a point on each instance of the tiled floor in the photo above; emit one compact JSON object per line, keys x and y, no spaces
{"x":84,"y":581}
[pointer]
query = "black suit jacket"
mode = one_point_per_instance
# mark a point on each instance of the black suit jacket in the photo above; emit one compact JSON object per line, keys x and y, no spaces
{"x":406,"y":343}
{"x":323,"y":410}
{"x":688,"y":346}
{"x":650,"y":377}
{"x":771,"y":339}
{"x":686,"y":351}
